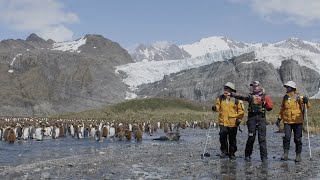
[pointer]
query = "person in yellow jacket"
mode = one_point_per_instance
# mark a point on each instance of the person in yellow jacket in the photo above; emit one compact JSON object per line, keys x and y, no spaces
{"x":230,"y":110}
{"x":292,"y":114}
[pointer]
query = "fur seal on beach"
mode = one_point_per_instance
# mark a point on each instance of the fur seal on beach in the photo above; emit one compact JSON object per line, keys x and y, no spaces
{"x":169,"y":137}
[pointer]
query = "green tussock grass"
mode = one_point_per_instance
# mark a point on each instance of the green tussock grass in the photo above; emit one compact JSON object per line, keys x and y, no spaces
{"x":151,"y":109}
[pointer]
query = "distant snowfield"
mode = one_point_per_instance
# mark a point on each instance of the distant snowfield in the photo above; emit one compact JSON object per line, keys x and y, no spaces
{"x":71,"y":46}
{"x":276,"y":55}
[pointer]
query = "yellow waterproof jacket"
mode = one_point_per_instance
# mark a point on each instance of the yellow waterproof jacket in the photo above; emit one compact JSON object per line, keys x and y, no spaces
{"x":292,"y":106}
{"x":229,"y":110}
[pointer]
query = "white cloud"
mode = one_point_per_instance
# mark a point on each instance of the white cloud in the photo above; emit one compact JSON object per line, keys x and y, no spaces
{"x":44,"y":17}
{"x":301,"y":12}
{"x":161,"y":44}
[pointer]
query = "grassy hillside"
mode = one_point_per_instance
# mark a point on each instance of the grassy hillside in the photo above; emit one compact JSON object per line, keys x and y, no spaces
{"x":174,"y":110}
{"x":153,"y":109}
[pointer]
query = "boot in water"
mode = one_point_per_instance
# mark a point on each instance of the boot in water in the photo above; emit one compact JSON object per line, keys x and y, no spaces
{"x":298,"y":157}
{"x":285,"y":155}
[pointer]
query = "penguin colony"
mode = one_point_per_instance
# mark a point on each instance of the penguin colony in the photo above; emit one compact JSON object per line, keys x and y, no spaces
{"x":13,"y":129}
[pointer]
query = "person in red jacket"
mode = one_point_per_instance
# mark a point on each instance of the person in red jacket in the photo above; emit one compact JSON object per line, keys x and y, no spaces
{"x":259,"y":103}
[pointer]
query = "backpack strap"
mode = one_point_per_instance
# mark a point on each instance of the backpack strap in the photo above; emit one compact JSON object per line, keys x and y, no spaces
{"x":295,"y":96}
{"x":236,"y":101}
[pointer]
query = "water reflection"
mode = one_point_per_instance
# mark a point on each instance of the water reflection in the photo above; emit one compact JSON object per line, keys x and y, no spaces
{"x":264,"y":169}
{"x":228,"y":169}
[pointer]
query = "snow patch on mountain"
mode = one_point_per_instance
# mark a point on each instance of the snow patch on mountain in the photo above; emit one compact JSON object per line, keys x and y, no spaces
{"x":130,"y":95}
{"x":14,"y":59}
{"x":316,"y":96}
{"x":71,"y":46}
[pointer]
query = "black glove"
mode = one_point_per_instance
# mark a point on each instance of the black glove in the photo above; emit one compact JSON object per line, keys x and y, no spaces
{"x":278,"y":122}
{"x":250,"y":98}
{"x":305,"y":99}
{"x":214,"y":108}
{"x":238,"y":122}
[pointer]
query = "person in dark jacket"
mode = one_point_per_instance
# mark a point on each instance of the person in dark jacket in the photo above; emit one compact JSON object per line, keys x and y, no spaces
{"x":259,"y":103}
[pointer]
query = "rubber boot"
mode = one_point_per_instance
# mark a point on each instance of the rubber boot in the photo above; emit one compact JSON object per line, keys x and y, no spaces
{"x":298,"y":157}
{"x":264,"y":159}
{"x":232,"y":157}
{"x":247,"y":158}
{"x":285,"y":155}
{"x":223,"y":155}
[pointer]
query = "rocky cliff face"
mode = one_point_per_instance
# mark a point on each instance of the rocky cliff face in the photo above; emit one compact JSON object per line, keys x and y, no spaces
{"x":36,"y":80}
{"x":206,"y":82}
{"x":307,"y":79}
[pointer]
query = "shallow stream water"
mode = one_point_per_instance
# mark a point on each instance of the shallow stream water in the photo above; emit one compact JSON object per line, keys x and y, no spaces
{"x":69,"y":158}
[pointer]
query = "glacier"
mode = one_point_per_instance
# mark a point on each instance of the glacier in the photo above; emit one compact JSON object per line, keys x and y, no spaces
{"x":220,"y":48}
{"x":148,"y":72}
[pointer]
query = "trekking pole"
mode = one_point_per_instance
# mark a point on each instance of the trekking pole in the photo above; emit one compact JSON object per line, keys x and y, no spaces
{"x":205,"y":146}
{"x":306,"y":117}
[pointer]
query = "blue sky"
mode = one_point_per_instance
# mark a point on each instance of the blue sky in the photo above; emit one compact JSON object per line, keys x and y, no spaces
{"x":130,"y":22}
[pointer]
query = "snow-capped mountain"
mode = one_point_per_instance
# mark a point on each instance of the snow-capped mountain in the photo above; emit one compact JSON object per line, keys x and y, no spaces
{"x":216,"y":44}
{"x":95,"y":46}
{"x":212,"y":45}
{"x":158,"y":51}
{"x":298,"y":44}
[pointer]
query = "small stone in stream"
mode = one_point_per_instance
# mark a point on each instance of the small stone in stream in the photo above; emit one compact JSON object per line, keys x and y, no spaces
{"x":70,"y":165}
{"x":45,"y":175}
{"x":25,"y":177}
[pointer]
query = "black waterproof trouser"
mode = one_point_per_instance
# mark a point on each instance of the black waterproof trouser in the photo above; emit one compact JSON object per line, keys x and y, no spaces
{"x":297,"y":131}
{"x":256,"y":123}
{"x":228,"y":133}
